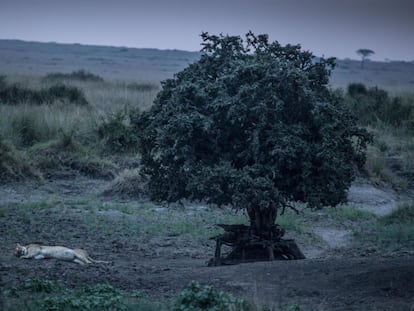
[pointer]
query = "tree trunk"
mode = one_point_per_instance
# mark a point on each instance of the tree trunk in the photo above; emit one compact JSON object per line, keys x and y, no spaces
{"x":262,"y":240}
{"x":262,"y":221}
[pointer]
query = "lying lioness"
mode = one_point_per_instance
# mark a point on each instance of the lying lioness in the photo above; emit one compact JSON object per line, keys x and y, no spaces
{"x":38,"y":251}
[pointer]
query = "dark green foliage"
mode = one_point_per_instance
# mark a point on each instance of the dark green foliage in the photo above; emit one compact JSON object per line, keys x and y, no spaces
{"x":16,"y":94}
{"x":80,"y":75}
{"x":374,"y":104}
{"x":66,"y":93}
{"x":197,"y":298}
{"x":251,"y":124}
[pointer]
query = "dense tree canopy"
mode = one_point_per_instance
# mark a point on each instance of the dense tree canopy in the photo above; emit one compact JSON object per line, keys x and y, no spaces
{"x":252,"y":124}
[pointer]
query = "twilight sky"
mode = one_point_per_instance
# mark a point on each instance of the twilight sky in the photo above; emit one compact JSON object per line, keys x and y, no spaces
{"x":325,"y":27}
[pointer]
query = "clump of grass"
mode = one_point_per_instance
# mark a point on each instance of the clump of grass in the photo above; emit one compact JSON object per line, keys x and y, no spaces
{"x":27,"y":129}
{"x":128,"y":184}
{"x":116,"y":134}
{"x":80,"y":75}
{"x":290,"y":221}
{"x":14,"y":166}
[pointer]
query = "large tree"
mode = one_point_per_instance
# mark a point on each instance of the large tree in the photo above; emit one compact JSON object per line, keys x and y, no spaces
{"x":253,"y":125}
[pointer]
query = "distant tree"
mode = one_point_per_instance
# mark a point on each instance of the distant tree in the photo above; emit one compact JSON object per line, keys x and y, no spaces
{"x":254,"y":125}
{"x":364,"y":53}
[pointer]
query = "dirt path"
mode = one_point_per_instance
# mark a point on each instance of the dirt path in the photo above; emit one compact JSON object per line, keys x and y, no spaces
{"x":332,"y":278}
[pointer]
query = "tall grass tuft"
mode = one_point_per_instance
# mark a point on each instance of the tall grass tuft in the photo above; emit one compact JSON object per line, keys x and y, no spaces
{"x":14,"y":165}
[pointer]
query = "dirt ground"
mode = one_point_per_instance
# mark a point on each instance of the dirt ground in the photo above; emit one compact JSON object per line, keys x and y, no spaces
{"x":337,"y":275}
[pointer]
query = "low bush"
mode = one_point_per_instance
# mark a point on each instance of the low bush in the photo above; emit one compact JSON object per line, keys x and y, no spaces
{"x":16,"y":94}
{"x":80,"y":75}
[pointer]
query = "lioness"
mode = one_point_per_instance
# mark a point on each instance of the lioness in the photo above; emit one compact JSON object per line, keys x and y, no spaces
{"x":38,"y":251}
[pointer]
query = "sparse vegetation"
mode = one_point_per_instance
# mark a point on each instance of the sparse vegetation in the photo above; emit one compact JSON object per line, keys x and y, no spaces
{"x":39,"y":295}
{"x":396,"y":231}
{"x":346,"y":213}
{"x":197,"y":298}
{"x":391,"y":120}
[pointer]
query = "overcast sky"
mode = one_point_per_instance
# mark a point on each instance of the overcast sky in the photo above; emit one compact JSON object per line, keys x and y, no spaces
{"x":325,"y":27}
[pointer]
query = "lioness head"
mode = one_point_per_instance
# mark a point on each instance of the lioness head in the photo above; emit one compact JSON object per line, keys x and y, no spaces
{"x":19,"y":250}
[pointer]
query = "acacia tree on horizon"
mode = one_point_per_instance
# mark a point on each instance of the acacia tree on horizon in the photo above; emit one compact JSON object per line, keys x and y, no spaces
{"x":364,"y":53}
{"x":252,"y":124}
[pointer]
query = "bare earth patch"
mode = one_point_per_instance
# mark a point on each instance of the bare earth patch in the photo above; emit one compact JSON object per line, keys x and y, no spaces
{"x":334,"y":277}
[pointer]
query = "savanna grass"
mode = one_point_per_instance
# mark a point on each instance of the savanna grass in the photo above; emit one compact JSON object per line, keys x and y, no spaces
{"x":25,"y":124}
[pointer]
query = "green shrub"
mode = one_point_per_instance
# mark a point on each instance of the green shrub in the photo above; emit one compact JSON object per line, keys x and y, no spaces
{"x":197,"y":298}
